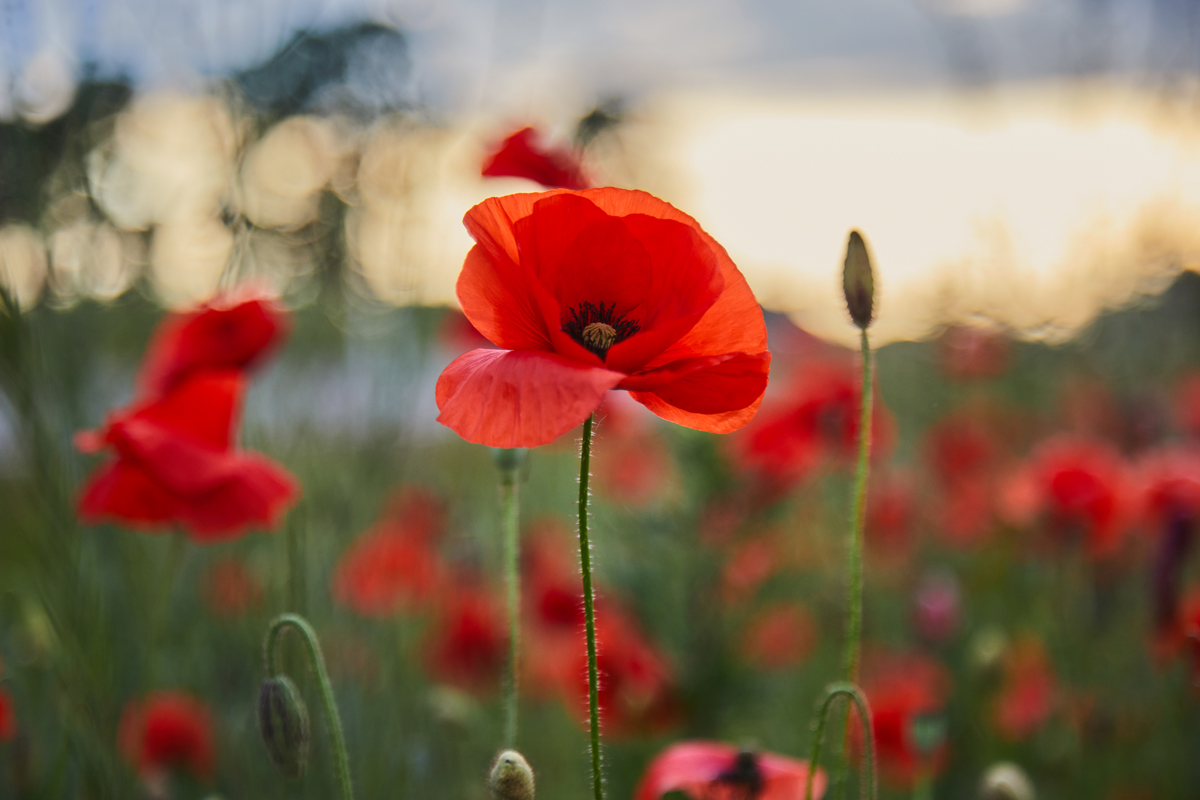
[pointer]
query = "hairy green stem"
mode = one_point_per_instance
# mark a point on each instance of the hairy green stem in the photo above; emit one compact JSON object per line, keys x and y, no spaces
{"x":857,"y":518}
{"x":589,"y":611}
{"x":869,"y":788}
{"x":854,"y":558}
{"x":271,"y":662}
{"x":512,"y":570}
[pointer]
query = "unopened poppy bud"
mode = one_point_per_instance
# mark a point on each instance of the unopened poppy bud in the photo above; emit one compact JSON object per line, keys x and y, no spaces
{"x":511,"y":777}
{"x":858,"y":281}
{"x":509,"y":459}
{"x":1006,"y":781}
{"x":283,"y":724}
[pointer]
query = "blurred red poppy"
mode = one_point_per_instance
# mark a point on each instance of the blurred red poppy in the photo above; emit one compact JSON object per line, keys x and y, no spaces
{"x":637,"y":683}
{"x":597,"y":290}
{"x":891,"y":517}
{"x":816,"y":423}
{"x":1028,"y":694}
{"x":165,"y":731}
{"x":234,"y":332}
{"x":394,"y":568}
{"x":715,"y":771}
{"x":902,"y":688}
{"x":630,"y":460}
{"x":749,"y":564}
{"x":175,"y":464}
{"x":229,"y":589}
{"x":552,"y":607}
{"x":780,"y":636}
{"x":8,"y":718}
{"x":1080,"y":487}
{"x":520,"y":156}
{"x":468,"y":642}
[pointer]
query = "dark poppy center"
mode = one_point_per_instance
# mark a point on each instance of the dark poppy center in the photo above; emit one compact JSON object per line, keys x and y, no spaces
{"x":743,"y":780}
{"x":599,"y":327}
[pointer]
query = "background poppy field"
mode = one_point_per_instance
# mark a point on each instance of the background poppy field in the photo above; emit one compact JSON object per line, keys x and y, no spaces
{"x":1032,"y":599}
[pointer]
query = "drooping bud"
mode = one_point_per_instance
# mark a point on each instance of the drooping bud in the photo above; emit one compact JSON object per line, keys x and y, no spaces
{"x":1006,"y":781}
{"x":511,"y":777}
{"x":858,"y":281}
{"x":283,"y":724}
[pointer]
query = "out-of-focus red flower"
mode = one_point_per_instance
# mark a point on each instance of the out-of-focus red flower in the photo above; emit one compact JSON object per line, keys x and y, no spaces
{"x":175,"y":464}
{"x":520,"y":156}
{"x":8,"y":718}
{"x":468,"y":642}
{"x":968,"y":353}
{"x":1080,"y":487}
{"x":961,"y":451}
{"x":165,"y":731}
{"x":715,"y":771}
{"x":749,"y":564}
{"x":901,"y":688}
{"x":229,"y":589}
{"x":394,"y":568}
{"x":630,"y":460}
{"x":597,"y":290}
{"x":891,"y":517}
{"x":780,"y":636}
{"x":234,"y":332}
{"x":552,"y":609}
{"x":816,"y":423}
{"x":1028,"y":694}
{"x":637,"y":684}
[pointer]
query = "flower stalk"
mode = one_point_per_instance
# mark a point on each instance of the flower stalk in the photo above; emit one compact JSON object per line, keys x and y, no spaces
{"x":313,"y":646}
{"x":585,"y":561}
{"x":869,"y":788}
{"x":509,"y":462}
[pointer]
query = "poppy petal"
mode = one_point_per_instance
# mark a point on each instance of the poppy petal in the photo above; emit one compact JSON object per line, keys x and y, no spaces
{"x":685,"y":282}
{"x":506,"y":398}
{"x":712,"y":385}
{"x":202,"y":408}
{"x":121,"y":490}
{"x":256,"y":493}
{"x":496,"y":302}
{"x":521,"y":157}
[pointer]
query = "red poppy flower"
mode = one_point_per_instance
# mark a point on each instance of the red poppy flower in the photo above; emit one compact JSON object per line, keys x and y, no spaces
{"x":597,"y":290}
{"x":636,"y":682}
{"x":630,"y":460}
{"x":231,"y":333}
{"x":901,"y":689}
{"x":521,"y":157}
{"x":817,"y":422}
{"x":715,"y":771}
{"x":8,"y":718}
{"x":891,"y":517}
{"x":780,"y":636}
{"x":1080,"y":487}
{"x":552,"y":608}
{"x":468,"y":643}
{"x":229,"y":589}
{"x":175,"y":464}
{"x":750,"y":563}
{"x":1027,"y":697}
{"x":167,"y":730}
{"x":393,"y":568}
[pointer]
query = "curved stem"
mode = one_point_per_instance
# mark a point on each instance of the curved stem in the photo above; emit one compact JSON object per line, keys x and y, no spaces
{"x":585,"y":561}
{"x":271,"y":662}
{"x":832,"y":692}
{"x":508,"y":488}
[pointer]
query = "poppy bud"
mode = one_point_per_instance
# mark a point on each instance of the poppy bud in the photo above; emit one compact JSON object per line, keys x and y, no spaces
{"x":511,"y":777}
{"x":858,"y":281}
{"x":509,"y":459}
{"x":1006,"y":781}
{"x":283,"y":724}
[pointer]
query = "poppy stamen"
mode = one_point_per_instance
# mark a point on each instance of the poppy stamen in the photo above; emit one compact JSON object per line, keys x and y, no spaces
{"x":743,"y":780}
{"x":598,"y":327}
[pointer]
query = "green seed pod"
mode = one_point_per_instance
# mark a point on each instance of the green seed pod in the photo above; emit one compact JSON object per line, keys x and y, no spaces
{"x":511,"y":777}
{"x":1006,"y":781}
{"x":283,"y":724}
{"x":858,"y":281}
